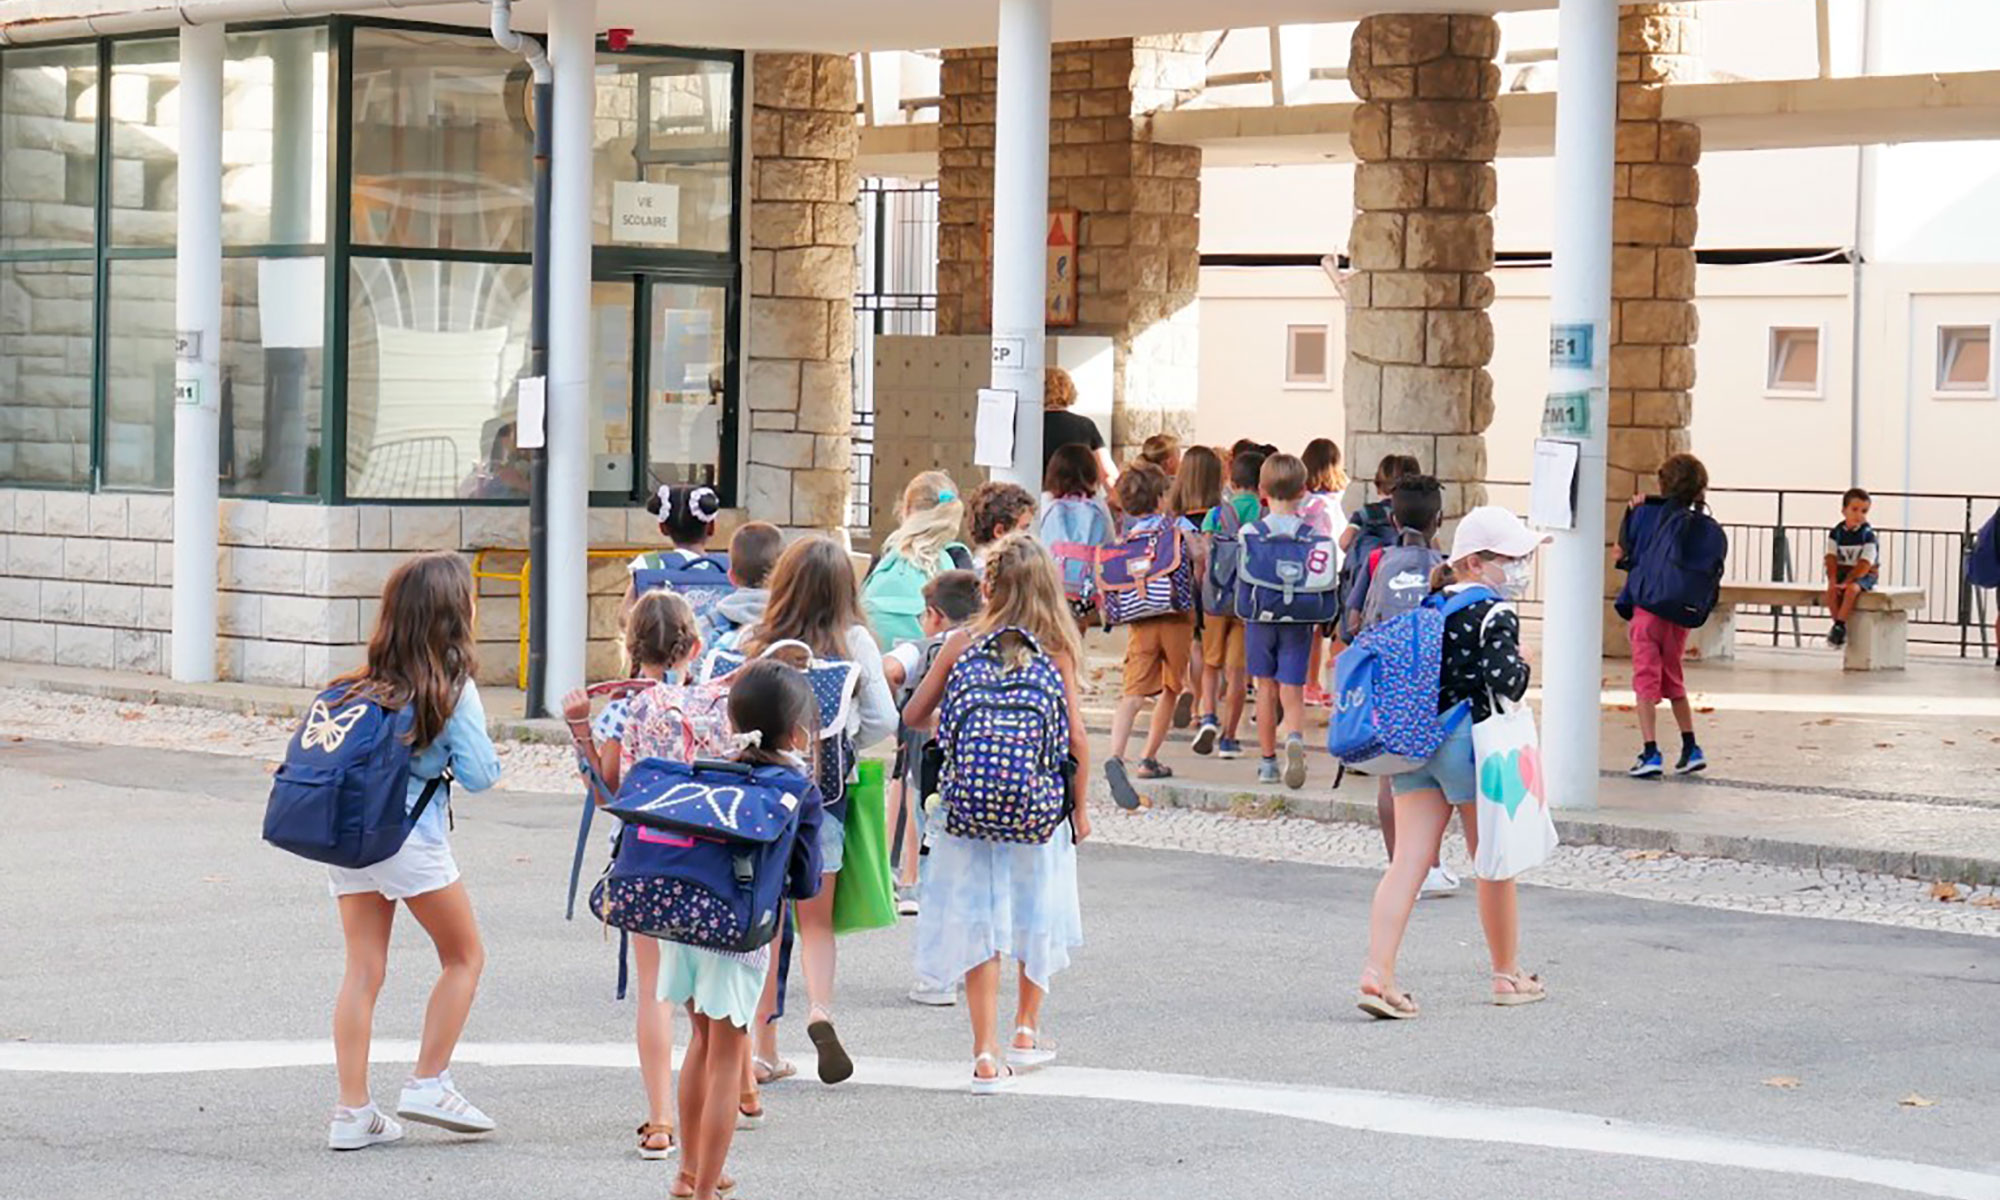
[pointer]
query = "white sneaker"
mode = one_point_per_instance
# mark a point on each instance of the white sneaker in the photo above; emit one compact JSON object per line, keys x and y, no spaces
{"x":438,"y":1102}
{"x":935,"y":997}
{"x":360,"y":1128}
{"x":1439,"y":883}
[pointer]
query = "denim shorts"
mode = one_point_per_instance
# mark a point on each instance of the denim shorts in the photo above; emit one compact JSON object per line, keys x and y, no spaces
{"x":832,"y":844}
{"x":1450,"y":770}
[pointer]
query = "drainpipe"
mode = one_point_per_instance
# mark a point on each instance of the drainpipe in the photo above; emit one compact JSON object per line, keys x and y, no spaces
{"x":536,"y":446}
{"x":1864,"y":173}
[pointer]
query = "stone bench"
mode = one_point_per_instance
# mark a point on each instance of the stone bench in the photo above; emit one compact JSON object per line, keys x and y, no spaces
{"x":1878,"y":635}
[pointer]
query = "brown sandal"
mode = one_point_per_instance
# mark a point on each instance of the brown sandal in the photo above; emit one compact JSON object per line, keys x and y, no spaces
{"x":647,"y":1133}
{"x":749,"y":1111}
{"x":1510,"y":991}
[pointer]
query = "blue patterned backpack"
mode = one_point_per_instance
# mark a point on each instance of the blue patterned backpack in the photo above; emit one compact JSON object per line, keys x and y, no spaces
{"x":1144,"y":575}
{"x":1004,"y":731}
{"x":704,"y":856}
{"x":1385,"y":689}
{"x":1289,"y":574}
{"x":700,"y":579}
{"x":834,"y":684}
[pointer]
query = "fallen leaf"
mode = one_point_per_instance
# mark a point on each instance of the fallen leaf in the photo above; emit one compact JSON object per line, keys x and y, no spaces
{"x":1885,"y":745}
{"x":1915,"y":1101}
{"x":1946,"y":893}
{"x":521,"y":858}
{"x":1989,"y":900}
{"x":1786,"y":1082}
{"x":1949,"y":742}
{"x":1824,"y":721}
{"x":135,"y":715}
{"x":1644,"y":855}
{"x":1706,"y":710}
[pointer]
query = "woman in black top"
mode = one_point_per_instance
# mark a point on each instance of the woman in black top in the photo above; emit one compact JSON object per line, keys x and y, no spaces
{"x":1061,"y":427}
{"x":1491,"y":559}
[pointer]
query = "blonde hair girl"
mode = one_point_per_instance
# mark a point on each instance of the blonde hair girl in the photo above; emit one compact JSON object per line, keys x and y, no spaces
{"x":924,"y":546}
{"x":984,"y":899}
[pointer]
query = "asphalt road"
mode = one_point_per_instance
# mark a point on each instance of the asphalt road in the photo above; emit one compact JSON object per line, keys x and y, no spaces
{"x":142,"y":910}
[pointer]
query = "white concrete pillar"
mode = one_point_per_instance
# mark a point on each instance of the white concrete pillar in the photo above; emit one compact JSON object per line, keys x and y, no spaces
{"x":573,"y":52}
{"x":1020,"y":225}
{"x":1580,"y":295}
{"x":198,"y":371}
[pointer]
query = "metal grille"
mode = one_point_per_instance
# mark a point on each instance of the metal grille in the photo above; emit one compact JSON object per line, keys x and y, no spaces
{"x":898,"y":295}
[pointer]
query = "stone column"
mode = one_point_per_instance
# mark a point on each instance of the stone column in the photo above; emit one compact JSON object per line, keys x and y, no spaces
{"x":798,"y":372}
{"x":1418,"y":333}
{"x":1653,"y":318}
{"x":1138,"y":260}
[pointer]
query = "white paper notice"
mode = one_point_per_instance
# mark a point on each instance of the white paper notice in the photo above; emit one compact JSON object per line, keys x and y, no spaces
{"x":291,"y":303}
{"x":993,"y":433}
{"x":531,"y":413}
{"x":1552,"y":502}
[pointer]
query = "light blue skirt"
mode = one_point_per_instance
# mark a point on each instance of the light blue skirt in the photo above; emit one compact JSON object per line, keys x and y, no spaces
{"x":725,"y":987}
{"x":981,"y":899}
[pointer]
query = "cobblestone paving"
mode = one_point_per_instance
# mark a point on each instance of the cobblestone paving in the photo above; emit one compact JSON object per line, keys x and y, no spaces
{"x":1831,"y":894}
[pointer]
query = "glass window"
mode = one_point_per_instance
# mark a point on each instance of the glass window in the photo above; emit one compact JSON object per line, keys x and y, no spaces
{"x":46,"y":352}
{"x":442,"y":155}
{"x":434,"y":350}
{"x":1965,"y":359}
{"x":139,"y":374}
{"x":1794,"y":362}
{"x":611,"y":308}
{"x":664,"y":154}
{"x":273,"y":334}
{"x":274,"y":173}
{"x":48,"y":141}
{"x":145,"y":141}
{"x":685,"y":383}
{"x":1305,"y":354}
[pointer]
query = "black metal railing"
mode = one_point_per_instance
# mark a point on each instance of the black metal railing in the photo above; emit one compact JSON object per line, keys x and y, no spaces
{"x":1779,"y":535}
{"x":897,"y":294}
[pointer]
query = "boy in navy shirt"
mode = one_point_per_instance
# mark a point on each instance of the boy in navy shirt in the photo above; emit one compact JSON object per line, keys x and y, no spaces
{"x":1853,"y":557}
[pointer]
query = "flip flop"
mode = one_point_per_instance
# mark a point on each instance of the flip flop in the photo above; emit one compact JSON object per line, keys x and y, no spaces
{"x":1522,"y":989}
{"x":834,"y":1064}
{"x":1392,"y":1005}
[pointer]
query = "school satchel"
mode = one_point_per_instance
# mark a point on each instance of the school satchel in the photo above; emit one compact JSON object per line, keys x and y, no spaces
{"x":1225,"y":551}
{"x":705,"y":855}
{"x":1677,"y":559}
{"x":702,"y":581}
{"x":1074,"y":530}
{"x":1004,"y":731}
{"x":1287,"y":576}
{"x":1145,"y":575}
{"x":341,"y":796}
{"x":834,"y":682}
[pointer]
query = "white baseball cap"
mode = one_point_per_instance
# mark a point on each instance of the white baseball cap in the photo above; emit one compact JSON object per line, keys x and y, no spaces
{"x":1493,"y":529}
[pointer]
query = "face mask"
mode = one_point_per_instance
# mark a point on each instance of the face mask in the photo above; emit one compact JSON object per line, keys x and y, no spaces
{"x":1514,"y":577}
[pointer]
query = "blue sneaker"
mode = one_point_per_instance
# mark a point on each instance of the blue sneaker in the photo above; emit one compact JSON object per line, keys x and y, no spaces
{"x":1649,"y":766}
{"x":1228,"y":748}
{"x":1267,"y":771}
{"x":1692,"y":760}
{"x":1204,"y":738}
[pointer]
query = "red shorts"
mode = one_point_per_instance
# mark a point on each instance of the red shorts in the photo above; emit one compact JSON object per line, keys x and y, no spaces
{"x":1658,"y":646}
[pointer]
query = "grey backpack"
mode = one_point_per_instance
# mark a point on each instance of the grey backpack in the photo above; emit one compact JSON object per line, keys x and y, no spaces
{"x":1399,"y":582}
{"x":1225,"y":552}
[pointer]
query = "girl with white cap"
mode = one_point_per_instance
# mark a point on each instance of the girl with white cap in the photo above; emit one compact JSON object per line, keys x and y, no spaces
{"x":1492,"y":551}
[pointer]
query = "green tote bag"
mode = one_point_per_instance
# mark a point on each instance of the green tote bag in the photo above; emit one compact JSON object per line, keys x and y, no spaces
{"x":865,"y":896}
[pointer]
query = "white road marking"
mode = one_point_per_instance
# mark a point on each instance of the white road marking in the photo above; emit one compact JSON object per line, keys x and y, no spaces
{"x":1364,"y":1111}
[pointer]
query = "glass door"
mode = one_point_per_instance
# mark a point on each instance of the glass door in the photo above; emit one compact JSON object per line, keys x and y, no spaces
{"x":687,"y":380}
{"x":613,"y":318}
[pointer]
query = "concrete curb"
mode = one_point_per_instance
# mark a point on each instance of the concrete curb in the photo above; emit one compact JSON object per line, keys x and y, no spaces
{"x":1612,"y":828}
{"x":1617,"y":828}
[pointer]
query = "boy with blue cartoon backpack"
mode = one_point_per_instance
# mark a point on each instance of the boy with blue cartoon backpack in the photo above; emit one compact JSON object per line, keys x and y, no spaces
{"x":1287,"y":584}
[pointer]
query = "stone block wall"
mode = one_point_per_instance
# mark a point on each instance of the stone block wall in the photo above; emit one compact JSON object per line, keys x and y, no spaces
{"x":1138,"y":260}
{"x":1657,"y":190}
{"x":803,"y":223}
{"x":87,"y":581}
{"x":1418,"y":334}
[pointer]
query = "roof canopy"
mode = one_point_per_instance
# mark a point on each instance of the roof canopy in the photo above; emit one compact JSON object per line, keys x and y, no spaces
{"x":835,"y":25}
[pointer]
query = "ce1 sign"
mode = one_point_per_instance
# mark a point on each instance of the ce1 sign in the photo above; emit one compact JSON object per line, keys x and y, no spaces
{"x":1573,"y":346}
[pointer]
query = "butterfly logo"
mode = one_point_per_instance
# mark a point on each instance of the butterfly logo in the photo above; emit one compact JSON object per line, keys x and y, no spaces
{"x":325,"y":730}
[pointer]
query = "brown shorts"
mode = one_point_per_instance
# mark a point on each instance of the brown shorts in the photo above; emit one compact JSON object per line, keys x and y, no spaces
{"x":1222,"y":643}
{"x":1156,"y":655}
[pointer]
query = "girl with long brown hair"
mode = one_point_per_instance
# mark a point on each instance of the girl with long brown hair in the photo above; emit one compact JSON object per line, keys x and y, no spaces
{"x":986,"y":900}
{"x":815,"y":600}
{"x":420,"y":659}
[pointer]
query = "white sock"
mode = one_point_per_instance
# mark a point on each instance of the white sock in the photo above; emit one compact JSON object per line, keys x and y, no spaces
{"x":345,"y":1113}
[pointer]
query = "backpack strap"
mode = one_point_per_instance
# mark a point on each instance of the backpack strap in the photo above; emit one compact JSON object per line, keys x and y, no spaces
{"x":1469,"y":597}
{"x":431,"y":788}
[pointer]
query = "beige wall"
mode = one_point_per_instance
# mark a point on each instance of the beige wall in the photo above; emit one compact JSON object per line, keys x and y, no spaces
{"x":1912,"y":439}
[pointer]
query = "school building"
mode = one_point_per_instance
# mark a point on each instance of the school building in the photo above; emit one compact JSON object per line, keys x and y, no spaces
{"x":268,"y":281}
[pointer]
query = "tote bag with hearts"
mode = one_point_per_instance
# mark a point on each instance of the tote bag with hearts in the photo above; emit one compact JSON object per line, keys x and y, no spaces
{"x":1516,"y":832}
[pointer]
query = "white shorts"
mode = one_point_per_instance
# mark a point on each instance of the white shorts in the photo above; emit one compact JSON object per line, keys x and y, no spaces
{"x":420,"y":866}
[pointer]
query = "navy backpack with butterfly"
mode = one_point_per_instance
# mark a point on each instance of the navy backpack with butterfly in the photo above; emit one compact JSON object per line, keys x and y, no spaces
{"x":341,"y":796}
{"x":705,"y":854}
